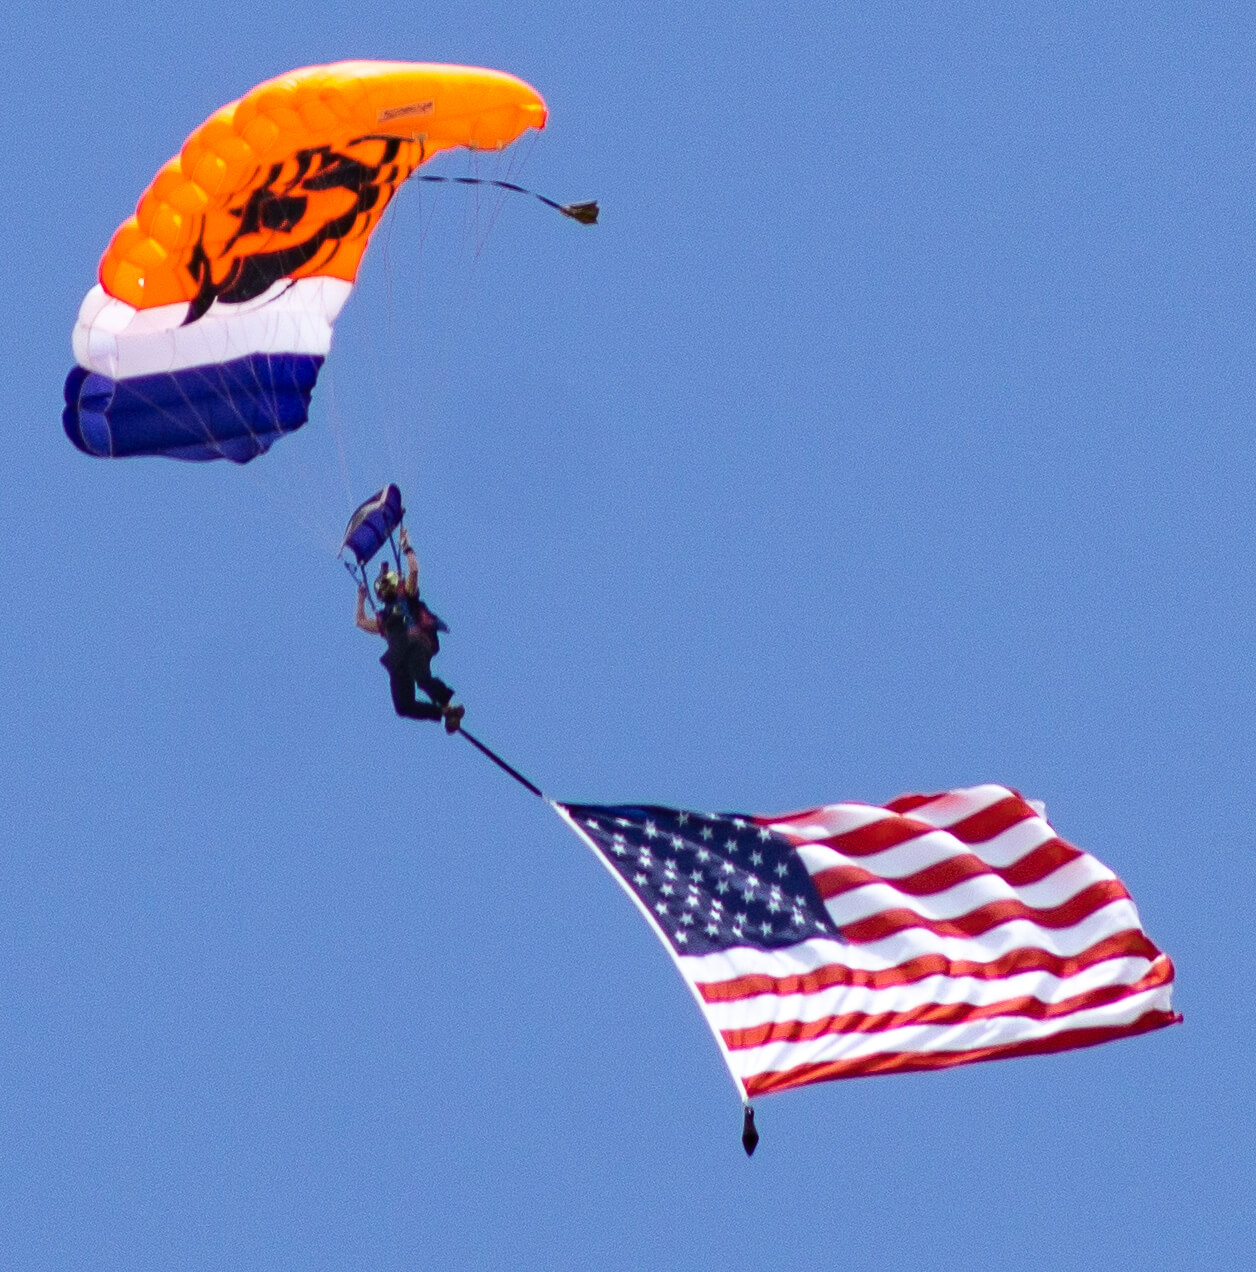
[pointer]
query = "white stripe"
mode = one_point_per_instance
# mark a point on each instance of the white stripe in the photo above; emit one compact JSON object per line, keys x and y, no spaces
{"x":967,"y":1036}
{"x":117,"y":340}
{"x":894,"y":863}
{"x":893,"y":951}
{"x":839,"y":1000}
{"x":1010,"y":845}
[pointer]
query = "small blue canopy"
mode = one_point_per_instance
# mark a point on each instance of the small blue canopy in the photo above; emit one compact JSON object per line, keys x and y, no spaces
{"x":372,"y":523}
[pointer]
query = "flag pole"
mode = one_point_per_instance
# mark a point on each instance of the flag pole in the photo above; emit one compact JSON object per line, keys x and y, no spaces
{"x":501,"y":764}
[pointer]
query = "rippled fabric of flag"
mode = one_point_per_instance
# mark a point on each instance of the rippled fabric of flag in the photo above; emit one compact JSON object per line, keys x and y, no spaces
{"x":854,"y":939}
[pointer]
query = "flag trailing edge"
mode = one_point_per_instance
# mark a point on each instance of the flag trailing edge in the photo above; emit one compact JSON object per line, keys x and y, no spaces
{"x":856,"y":939}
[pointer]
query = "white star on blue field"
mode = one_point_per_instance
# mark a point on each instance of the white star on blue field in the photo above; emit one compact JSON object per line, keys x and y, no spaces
{"x":706,"y":899}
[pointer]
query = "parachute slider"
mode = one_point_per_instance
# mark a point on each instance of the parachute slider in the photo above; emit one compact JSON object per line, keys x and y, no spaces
{"x":585,"y":213}
{"x":372,"y":524}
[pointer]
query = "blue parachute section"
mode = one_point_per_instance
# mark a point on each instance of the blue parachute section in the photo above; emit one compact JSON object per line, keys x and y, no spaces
{"x":232,"y":410}
{"x":372,"y":523}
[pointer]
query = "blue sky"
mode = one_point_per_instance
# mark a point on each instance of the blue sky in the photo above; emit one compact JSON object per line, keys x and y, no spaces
{"x":892,"y":432}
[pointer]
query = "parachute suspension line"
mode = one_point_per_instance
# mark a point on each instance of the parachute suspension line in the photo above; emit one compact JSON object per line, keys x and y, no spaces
{"x":501,"y":764}
{"x":337,"y":430}
{"x":585,"y":213}
{"x":362,"y":583}
{"x":401,"y":587}
{"x":382,"y":351}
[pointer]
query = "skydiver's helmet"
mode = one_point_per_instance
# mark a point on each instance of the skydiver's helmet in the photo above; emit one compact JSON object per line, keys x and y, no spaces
{"x":388,"y":583}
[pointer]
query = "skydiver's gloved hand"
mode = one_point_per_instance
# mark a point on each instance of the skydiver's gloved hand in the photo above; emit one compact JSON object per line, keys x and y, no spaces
{"x":405,"y":540}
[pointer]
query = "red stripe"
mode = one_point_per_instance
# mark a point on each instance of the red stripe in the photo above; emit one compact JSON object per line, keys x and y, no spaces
{"x":876,"y":836}
{"x":908,"y":1061}
{"x":1033,"y":867}
{"x":834,"y":880}
{"x":877,"y":927}
{"x":905,"y":803}
{"x":859,"y":1022}
{"x":991,"y":821}
{"x":909,"y":803}
{"x":803,"y":814}
{"x":1129,"y":944}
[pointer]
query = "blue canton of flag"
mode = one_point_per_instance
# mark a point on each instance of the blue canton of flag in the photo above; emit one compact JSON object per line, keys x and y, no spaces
{"x":710,"y":881}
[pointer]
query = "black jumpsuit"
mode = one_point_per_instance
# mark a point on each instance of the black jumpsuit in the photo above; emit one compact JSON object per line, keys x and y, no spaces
{"x":410,"y":629}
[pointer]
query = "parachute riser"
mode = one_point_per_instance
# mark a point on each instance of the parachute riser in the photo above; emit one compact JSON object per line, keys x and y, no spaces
{"x":404,"y":595}
{"x":362,"y":583}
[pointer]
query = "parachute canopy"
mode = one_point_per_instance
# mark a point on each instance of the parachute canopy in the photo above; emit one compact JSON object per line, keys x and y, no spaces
{"x":214,"y":308}
{"x":372,"y":523}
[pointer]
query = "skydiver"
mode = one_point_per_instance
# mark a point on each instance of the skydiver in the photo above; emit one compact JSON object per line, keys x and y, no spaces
{"x":411,"y":630}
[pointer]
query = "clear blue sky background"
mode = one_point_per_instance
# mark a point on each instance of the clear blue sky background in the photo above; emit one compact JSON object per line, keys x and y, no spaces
{"x":893,"y":432}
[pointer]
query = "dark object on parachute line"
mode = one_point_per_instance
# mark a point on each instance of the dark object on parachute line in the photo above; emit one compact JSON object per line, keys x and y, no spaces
{"x":749,"y":1136}
{"x":585,"y":213}
{"x":372,"y":523}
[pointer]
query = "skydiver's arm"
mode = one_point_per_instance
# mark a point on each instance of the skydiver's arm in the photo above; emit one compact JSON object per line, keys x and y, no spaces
{"x":365,"y":622}
{"x":412,"y":565}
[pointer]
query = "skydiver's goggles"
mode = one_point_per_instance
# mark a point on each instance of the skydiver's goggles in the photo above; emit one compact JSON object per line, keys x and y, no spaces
{"x":387,"y":583}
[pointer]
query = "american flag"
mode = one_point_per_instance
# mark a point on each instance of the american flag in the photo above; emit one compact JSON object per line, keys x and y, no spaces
{"x":857,"y":939}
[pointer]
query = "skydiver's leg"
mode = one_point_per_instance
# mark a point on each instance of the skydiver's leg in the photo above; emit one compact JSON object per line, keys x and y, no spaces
{"x":420,"y":665}
{"x":436,"y":689}
{"x":401,"y":682}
